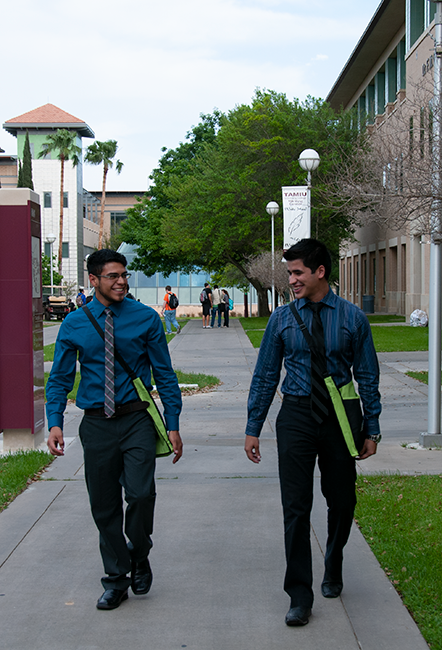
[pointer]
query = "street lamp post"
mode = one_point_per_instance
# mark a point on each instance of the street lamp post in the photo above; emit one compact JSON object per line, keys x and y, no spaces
{"x":272,"y":209}
{"x":433,"y":434}
{"x":309,"y":160}
{"x":50,"y":240}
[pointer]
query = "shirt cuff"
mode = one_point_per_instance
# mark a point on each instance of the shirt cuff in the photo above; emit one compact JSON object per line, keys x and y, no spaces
{"x":172,"y":422}
{"x":371,"y":427}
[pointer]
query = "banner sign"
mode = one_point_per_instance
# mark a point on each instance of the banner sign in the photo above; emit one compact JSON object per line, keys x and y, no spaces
{"x":295,"y":206}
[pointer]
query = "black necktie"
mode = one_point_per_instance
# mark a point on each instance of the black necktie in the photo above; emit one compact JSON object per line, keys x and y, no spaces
{"x":319,"y":395}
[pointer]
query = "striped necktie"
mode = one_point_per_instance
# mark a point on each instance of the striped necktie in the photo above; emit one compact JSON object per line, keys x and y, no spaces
{"x":109,"y":363}
{"x":319,"y":395}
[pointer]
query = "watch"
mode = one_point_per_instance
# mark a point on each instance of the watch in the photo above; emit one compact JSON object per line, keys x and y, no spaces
{"x":376,"y":437}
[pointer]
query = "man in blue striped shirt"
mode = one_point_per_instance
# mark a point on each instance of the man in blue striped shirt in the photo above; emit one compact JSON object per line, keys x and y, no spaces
{"x":119,"y":449}
{"x":301,"y":439}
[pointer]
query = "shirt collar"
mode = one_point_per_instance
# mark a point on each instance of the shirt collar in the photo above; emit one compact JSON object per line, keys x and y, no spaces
{"x":330,"y":299}
{"x":98,"y":308}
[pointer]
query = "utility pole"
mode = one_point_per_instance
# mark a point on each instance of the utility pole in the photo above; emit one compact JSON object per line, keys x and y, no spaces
{"x":433,"y":435}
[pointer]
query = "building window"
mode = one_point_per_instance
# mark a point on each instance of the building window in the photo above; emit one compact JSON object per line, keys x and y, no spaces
{"x":65,"y":249}
{"x":65,"y":200}
{"x":116,"y":219}
{"x":47,"y":249}
{"x":47,"y":199}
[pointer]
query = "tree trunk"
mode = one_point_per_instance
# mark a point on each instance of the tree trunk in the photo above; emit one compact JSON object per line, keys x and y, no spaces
{"x":60,"y":241}
{"x":103,"y":203}
{"x":263,"y":299}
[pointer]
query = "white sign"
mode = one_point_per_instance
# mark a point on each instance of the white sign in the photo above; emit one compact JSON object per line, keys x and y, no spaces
{"x":296,"y":209}
{"x":36,"y":265}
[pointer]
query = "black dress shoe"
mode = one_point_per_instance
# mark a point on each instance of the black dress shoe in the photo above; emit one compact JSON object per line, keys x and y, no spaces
{"x":331,"y":589}
{"x":141,"y":576}
{"x":298,"y":615}
{"x":112,"y":598}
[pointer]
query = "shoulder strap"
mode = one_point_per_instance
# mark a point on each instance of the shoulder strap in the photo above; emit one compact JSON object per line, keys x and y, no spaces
{"x":303,"y":326}
{"x":118,"y":356}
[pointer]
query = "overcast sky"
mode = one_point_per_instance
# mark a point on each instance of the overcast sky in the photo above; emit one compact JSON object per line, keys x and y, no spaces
{"x":142,"y":71}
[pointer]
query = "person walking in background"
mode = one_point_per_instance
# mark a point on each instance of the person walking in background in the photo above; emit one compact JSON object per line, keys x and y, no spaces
{"x":206,"y":303}
{"x":307,"y":426}
{"x":80,"y":300}
{"x":226,"y":299}
{"x":217,"y":300}
{"x":117,"y":433}
{"x":169,"y":311}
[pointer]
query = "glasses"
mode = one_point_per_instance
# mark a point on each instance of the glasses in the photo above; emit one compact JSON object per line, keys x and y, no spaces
{"x":115,"y":276}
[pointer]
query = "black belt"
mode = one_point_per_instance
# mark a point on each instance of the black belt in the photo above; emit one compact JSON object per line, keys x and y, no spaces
{"x":300,"y":399}
{"x":121,"y":409}
{"x":297,"y":399}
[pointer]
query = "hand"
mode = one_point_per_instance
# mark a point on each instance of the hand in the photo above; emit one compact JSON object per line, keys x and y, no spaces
{"x":251,"y":448}
{"x":177,"y":443}
{"x":55,"y":441}
{"x":369,"y":449}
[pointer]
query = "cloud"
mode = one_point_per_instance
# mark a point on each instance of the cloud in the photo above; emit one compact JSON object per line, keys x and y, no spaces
{"x":141,"y":72}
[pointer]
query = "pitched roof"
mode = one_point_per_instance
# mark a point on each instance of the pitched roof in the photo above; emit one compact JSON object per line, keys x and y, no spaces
{"x":48,"y":117}
{"x":385,"y":25}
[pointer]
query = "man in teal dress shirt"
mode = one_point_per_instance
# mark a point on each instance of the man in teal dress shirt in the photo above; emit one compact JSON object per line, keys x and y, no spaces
{"x":119,"y":451}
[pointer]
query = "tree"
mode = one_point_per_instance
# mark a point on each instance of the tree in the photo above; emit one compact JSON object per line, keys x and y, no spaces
{"x":389,"y":178}
{"x":144,"y":221}
{"x":260,"y":268}
{"x":20,"y":174}
{"x":63,"y":144}
{"x":27,"y":164}
{"x":46,"y":272}
{"x":214,"y":213}
{"x":103,"y":153}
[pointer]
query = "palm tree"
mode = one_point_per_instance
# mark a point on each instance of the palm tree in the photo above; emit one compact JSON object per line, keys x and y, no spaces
{"x":97,"y":153}
{"x":63,"y":143}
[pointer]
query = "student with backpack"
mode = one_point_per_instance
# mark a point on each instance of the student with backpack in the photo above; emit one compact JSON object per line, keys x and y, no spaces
{"x":169,"y":310}
{"x":206,"y":303}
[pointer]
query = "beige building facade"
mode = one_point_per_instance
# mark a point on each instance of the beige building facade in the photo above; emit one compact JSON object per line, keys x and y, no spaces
{"x":389,"y":79}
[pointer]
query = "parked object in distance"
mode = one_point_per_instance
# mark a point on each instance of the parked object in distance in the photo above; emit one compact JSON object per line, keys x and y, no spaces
{"x":55,"y":306}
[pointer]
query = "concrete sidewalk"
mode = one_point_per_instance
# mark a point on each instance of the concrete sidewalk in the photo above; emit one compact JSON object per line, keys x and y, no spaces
{"x":218,"y":557}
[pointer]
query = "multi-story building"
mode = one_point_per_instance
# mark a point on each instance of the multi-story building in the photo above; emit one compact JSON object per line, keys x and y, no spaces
{"x":382,"y":79}
{"x":39,"y":123}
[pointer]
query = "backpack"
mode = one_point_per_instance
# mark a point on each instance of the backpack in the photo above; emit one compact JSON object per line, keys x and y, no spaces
{"x":173,"y":301}
{"x":79,"y":300}
{"x":203,"y":296}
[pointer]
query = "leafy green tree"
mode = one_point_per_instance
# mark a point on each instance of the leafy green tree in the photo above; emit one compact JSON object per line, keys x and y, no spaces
{"x":20,"y":174}
{"x":144,"y":221}
{"x":214,"y":213}
{"x":27,"y":165}
{"x":63,"y":144}
{"x":103,"y":153}
{"x":46,"y":272}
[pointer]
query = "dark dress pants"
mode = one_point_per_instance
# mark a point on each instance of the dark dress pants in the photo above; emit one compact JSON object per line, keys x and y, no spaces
{"x":300,"y":441}
{"x":120,"y":453}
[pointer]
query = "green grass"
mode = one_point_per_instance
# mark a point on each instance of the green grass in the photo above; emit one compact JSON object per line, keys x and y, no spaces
{"x":203,"y":381}
{"x":385,"y":318}
{"x":73,"y":394}
{"x":254,"y":323}
{"x":386,"y":339}
{"x":420,"y":375}
{"x":49,"y":352}
{"x":19,"y":469}
{"x":400,"y":339}
{"x":401,"y":519}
